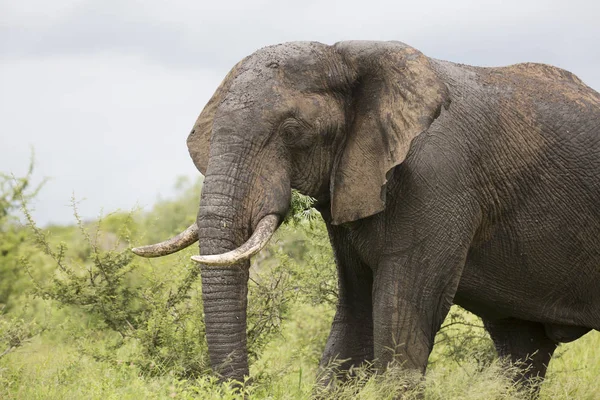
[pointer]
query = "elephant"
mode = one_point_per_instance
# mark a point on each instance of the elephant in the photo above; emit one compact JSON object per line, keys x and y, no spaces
{"x":439,"y":184}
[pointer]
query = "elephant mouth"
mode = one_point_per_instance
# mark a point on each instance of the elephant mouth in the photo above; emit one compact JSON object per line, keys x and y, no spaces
{"x":260,"y":237}
{"x":265,"y":229}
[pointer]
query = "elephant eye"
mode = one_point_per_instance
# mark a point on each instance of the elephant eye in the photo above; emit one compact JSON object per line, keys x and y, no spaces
{"x":295,"y":132}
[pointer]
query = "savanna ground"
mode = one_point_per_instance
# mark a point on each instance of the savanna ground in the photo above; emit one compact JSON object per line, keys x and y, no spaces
{"x":81,"y":318}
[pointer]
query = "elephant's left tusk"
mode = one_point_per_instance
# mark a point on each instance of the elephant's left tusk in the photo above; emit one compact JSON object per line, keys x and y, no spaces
{"x":263,"y":232}
{"x":179,"y":242}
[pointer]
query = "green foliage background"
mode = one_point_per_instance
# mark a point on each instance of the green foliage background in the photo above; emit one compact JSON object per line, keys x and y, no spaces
{"x":81,"y":318}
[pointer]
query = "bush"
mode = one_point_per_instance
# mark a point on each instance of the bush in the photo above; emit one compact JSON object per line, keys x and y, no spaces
{"x":13,"y":239}
{"x":15,"y":332}
{"x":113,"y":286}
{"x":157,"y":315}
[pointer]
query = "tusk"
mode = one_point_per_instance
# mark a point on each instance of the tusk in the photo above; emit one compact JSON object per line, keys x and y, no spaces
{"x":263,"y":232}
{"x":179,"y":242}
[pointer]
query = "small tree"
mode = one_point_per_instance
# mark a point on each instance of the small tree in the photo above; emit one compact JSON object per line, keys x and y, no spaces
{"x":14,"y":330}
{"x":13,"y":193}
{"x":157,"y":303}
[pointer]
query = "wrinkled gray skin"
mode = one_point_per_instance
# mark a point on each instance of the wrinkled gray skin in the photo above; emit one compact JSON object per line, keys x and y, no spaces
{"x":438,"y":183}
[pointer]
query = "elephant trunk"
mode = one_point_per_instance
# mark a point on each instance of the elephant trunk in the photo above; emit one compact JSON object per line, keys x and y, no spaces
{"x":224,"y":293}
{"x":237,"y":217}
{"x":221,"y":223}
{"x":224,"y":225}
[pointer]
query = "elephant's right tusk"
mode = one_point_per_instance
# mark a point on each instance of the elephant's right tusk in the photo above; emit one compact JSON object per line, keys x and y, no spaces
{"x":179,"y":242}
{"x":263,"y":232}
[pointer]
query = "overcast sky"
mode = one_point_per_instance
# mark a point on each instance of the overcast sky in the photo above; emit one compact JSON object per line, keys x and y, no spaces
{"x":107,"y":91}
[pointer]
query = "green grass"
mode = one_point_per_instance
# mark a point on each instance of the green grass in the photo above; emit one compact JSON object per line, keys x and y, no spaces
{"x":52,"y":367}
{"x":59,"y":371}
{"x":574,"y":372}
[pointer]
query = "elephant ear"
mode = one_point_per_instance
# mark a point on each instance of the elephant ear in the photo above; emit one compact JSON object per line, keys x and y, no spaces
{"x":198,"y":141}
{"x":396,"y":95}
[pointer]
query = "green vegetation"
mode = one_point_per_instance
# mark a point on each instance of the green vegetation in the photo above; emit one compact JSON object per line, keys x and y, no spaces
{"x":81,"y":318}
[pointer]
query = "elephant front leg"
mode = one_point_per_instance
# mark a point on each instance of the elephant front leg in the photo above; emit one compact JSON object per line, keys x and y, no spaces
{"x":350,"y":341}
{"x":412,"y":294}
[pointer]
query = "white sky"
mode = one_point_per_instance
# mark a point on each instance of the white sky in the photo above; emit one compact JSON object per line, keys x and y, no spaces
{"x":107,"y":91}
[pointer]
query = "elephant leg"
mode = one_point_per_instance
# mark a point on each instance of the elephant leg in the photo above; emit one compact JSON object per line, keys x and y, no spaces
{"x":412,"y":294}
{"x":350,"y":341}
{"x":404,"y":327}
{"x":417,"y":275}
{"x":525,"y":343}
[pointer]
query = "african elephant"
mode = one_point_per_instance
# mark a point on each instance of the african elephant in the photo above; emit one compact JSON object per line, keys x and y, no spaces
{"x":439,"y":183}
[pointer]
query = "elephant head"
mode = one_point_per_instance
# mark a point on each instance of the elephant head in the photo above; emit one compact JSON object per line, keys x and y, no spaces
{"x":329,"y":121}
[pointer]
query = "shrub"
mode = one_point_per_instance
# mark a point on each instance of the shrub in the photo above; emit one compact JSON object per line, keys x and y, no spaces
{"x":157,"y":315}
{"x":13,"y":192}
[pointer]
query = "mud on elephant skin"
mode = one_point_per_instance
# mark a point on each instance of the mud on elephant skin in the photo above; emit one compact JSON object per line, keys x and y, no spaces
{"x":438,"y":183}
